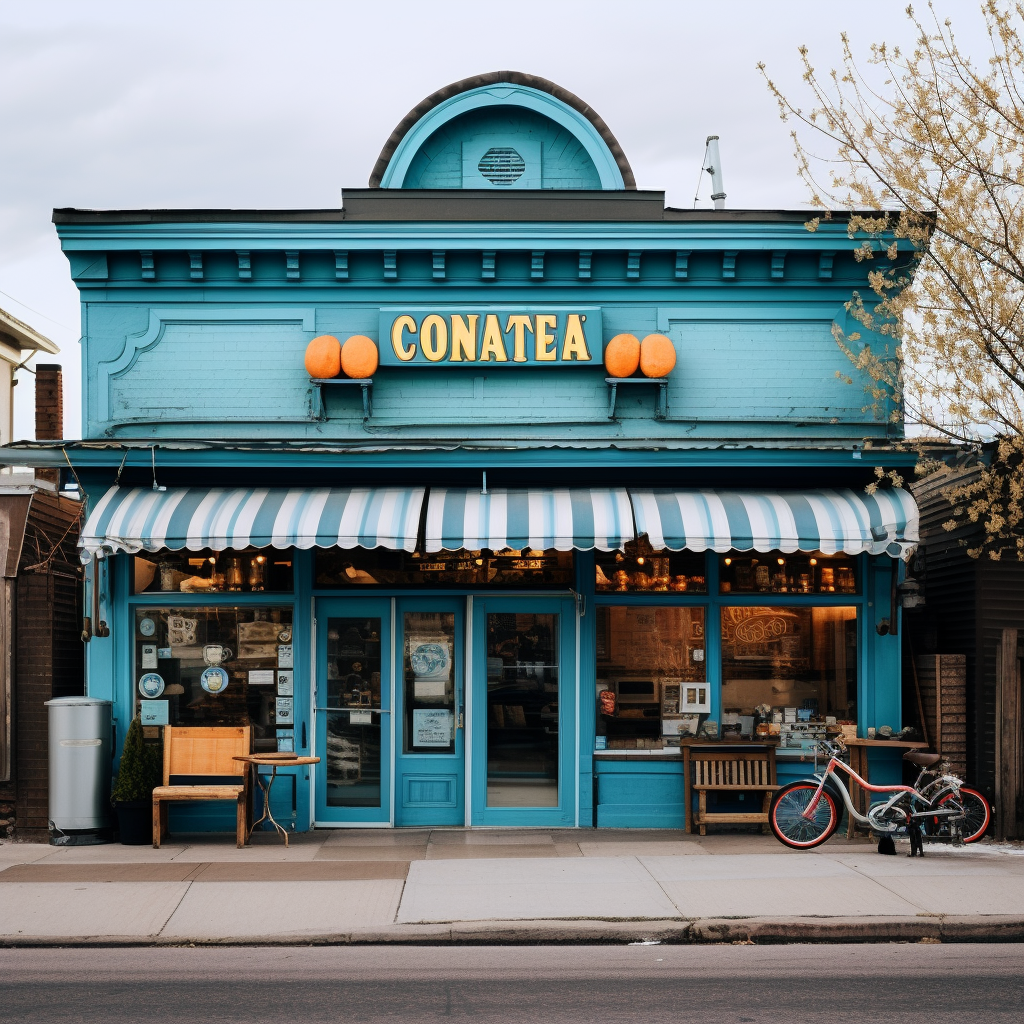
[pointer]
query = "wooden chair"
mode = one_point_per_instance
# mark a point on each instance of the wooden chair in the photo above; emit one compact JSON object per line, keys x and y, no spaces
{"x":737,"y":772}
{"x":199,"y":765}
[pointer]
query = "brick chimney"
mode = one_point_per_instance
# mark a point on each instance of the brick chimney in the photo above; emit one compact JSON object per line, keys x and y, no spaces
{"x":49,"y":411}
{"x":49,"y":402}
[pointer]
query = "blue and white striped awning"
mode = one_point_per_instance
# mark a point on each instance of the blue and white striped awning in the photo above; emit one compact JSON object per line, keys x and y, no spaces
{"x":854,"y":522}
{"x":140,"y":519}
{"x":564,"y":519}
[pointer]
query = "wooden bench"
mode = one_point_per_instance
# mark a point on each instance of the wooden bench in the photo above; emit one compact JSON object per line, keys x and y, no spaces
{"x":199,"y":765}
{"x":729,"y":771}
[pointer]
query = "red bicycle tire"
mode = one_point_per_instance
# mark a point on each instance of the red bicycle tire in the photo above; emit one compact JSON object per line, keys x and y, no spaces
{"x":778,"y":828}
{"x":978,"y":833}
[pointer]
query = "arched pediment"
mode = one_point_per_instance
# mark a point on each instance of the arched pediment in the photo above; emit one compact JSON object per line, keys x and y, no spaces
{"x":502,"y":130}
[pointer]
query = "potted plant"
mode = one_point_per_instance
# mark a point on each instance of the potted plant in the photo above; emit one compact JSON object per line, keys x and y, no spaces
{"x":138,"y":776}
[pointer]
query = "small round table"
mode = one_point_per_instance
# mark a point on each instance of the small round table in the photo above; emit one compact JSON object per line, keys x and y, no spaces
{"x":272,"y":761}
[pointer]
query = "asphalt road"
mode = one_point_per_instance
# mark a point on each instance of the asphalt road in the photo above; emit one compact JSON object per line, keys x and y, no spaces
{"x":652,"y":984}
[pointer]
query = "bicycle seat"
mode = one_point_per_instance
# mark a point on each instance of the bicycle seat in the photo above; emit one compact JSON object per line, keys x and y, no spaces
{"x":921,"y":759}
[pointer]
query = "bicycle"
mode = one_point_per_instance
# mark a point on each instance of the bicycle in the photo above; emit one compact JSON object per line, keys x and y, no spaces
{"x":938,"y":807}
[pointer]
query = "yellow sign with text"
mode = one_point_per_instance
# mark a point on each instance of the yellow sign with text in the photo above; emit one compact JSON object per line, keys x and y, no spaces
{"x":504,"y":337}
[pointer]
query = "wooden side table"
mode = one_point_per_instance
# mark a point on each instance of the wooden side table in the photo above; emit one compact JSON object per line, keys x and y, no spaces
{"x":272,"y":761}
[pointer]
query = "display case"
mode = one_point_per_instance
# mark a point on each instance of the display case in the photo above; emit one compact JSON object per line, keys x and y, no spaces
{"x":246,"y":571}
{"x":779,"y":573}
{"x":641,"y":568}
{"x":338,"y":569}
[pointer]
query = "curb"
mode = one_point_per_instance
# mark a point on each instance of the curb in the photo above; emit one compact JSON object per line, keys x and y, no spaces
{"x":996,"y":928}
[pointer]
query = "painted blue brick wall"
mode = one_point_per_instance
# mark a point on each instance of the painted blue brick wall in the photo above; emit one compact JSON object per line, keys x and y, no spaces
{"x":742,"y":372}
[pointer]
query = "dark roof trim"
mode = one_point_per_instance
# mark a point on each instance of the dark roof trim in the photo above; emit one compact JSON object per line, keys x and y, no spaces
{"x":68,"y":215}
{"x":452,"y":205}
{"x":494,"y":78}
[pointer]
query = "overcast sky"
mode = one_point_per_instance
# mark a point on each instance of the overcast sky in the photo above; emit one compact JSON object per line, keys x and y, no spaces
{"x":254,"y":104}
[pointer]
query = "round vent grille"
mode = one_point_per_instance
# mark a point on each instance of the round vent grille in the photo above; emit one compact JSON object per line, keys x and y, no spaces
{"x":501,"y":165}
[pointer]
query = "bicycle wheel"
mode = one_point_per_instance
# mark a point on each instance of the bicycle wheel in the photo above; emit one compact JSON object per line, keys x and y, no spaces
{"x":977,"y":813}
{"x":787,"y":820}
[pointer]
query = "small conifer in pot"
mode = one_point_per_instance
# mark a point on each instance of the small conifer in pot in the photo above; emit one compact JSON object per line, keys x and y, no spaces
{"x":139,"y":774}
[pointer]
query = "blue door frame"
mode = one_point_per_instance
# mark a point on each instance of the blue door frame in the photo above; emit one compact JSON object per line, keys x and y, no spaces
{"x":362,"y":608}
{"x":564,"y":814}
{"x":430,"y":788}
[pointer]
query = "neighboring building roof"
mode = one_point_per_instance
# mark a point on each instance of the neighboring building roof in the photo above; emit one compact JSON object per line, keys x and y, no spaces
{"x":17,"y":337}
{"x":539,"y":100}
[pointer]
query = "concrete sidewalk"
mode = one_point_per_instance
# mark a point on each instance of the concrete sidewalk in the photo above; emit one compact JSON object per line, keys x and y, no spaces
{"x":454,"y":885}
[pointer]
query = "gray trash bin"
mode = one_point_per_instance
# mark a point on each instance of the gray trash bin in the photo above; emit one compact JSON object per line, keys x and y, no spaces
{"x":81,"y":752}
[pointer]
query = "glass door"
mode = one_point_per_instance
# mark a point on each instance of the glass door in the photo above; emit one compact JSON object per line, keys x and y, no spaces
{"x":524,"y":704}
{"x":353,"y":710}
{"x":429,"y":734}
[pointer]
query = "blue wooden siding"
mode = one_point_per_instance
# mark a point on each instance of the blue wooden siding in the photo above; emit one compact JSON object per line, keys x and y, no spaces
{"x":192,"y":374}
{"x":761,"y":370}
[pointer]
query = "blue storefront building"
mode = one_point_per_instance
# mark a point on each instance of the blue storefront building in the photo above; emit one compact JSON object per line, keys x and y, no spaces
{"x":589,"y":477}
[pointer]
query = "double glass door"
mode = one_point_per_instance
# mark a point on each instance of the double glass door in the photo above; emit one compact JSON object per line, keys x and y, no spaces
{"x":415,"y":695}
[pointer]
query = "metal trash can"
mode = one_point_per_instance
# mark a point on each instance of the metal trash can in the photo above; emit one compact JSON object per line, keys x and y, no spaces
{"x":81,"y":754}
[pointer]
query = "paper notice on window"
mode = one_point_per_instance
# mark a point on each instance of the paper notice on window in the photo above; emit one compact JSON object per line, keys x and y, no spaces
{"x":431,"y":728}
{"x":284,"y":656}
{"x":154,"y":712}
{"x":261,"y":677}
{"x":424,"y":689}
{"x":285,"y":711}
{"x":360,"y":718}
{"x":149,"y":655}
{"x":285,"y":683}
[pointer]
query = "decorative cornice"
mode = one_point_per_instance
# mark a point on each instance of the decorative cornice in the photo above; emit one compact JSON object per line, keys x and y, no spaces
{"x":457,"y":236}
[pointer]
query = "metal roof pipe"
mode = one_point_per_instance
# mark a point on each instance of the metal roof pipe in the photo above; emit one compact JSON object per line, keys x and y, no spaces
{"x":714,"y":168}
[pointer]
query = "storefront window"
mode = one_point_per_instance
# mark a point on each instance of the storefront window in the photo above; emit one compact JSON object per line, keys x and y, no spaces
{"x":218,"y":666}
{"x":789,"y":670}
{"x":651,"y":682}
{"x":251,"y":571}
{"x":359,"y":568}
{"x":779,"y":573}
{"x":639,"y":567}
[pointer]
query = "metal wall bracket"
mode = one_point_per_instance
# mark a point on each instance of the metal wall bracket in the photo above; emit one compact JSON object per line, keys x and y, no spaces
{"x":318,"y":410}
{"x":661,"y":410}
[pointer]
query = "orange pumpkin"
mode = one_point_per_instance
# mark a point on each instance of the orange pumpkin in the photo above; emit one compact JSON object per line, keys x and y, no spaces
{"x":657,"y":356}
{"x":622,"y":355}
{"x":323,"y":357}
{"x":359,"y":357}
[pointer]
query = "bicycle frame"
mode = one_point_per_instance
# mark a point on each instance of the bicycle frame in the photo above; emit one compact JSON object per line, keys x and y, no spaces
{"x":899,"y":792}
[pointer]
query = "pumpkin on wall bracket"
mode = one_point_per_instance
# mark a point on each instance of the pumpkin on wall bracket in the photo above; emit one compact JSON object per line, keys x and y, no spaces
{"x":654,"y":357}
